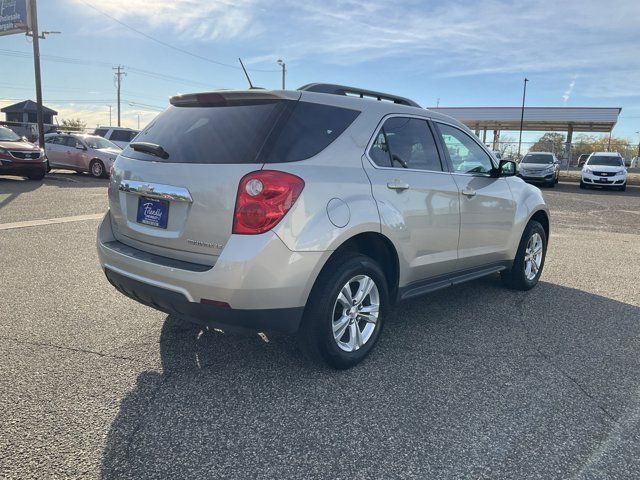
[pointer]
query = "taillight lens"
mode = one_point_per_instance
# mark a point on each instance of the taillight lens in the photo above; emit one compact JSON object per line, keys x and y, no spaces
{"x":264,"y":197}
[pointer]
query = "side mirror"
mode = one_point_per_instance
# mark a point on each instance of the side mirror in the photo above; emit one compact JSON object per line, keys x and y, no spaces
{"x":507,"y":168}
{"x":24,"y":139}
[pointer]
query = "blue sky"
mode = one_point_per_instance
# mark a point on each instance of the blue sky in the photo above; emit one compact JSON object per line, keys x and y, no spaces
{"x":576,"y":53}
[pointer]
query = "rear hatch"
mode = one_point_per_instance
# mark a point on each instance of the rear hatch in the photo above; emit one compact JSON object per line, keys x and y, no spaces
{"x":173,"y":190}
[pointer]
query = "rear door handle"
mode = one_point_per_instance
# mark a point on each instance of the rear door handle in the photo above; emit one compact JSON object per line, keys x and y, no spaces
{"x":397,"y":185}
{"x":469,"y":192}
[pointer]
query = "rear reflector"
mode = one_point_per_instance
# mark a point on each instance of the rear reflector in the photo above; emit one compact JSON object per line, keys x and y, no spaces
{"x":215,"y":303}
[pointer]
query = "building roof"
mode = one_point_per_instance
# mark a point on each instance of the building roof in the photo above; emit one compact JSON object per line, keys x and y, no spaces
{"x":27,"y":106}
{"x":582,"y":119}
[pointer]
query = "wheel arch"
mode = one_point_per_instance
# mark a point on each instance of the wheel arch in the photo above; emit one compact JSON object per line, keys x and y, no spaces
{"x":378,"y":247}
{"x":542,"y":217}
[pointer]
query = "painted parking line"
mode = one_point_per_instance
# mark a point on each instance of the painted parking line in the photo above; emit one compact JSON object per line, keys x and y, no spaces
{"x":50,"y":221}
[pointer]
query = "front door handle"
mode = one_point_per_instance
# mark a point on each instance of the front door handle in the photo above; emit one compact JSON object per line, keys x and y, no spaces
{"x":469,"y":192}
{"x":397,"y":185}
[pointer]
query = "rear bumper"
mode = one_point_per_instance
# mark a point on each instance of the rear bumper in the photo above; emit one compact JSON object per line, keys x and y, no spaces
{"x":265,"y":285}
{"x":285,"y":320}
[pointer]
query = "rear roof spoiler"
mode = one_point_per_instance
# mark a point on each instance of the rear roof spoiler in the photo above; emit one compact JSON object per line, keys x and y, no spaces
{"x":229,"y":98}
{"x":334,"y":89}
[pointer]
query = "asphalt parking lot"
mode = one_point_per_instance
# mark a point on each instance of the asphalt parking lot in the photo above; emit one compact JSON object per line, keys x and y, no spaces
{"x":470,"y":382}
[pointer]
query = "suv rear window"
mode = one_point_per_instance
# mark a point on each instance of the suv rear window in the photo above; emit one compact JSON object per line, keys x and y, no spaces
{"x":122,"y":135}
{"x":264,"y":132}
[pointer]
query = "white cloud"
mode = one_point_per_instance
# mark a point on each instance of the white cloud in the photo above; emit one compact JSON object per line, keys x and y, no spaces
{"x":453,"y":38}
{"x":567,"y":93}
{"x":195,"y":19}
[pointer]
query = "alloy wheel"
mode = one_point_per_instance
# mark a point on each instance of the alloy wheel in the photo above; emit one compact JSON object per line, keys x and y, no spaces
{"x":96,"y":169}
{"x":355,"y":313}
{"x":533,"y":256}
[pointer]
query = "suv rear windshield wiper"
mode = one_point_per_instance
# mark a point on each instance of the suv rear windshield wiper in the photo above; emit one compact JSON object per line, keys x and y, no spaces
{"x":150,"y":148}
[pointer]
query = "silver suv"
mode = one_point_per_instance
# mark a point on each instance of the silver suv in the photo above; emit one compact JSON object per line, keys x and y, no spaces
{"x":312,"y":211}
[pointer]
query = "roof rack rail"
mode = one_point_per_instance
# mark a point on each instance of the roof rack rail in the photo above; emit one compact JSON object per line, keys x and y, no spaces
{"x":359,"y":92}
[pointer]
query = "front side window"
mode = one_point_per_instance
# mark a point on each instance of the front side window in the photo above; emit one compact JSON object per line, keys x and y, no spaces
{"x":466,"y":155}
{"x":406,"y":143}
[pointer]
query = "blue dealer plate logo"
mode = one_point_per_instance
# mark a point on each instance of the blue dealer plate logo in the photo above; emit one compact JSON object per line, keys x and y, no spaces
{"x":153,"y":212}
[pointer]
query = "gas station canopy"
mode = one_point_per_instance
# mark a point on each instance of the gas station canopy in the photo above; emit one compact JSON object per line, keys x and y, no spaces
{"x":541,"y":119}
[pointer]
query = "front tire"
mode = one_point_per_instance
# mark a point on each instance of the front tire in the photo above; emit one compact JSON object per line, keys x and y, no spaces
{"x":36,"y":176}
{"x":529,"y":262}
{"x":582,"y":185}
{"x":96,"y":168}
{"x":345,"y":313}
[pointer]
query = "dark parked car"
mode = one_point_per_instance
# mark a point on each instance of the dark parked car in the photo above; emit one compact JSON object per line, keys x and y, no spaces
{"x":20,"y":157}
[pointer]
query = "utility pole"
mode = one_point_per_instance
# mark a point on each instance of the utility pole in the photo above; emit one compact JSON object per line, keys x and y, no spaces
{"x":109,"y":115}
{"x":524,"y":96}
{"x":36,"y":65}
{"x":284,"y":71}
{"x":119,"y":73}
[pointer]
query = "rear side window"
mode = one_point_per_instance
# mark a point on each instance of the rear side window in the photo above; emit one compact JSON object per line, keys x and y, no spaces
{"x":122,"y":136}
{"x":264,"y":132}
{"x":310,"y":128}
{"x":101,"y":131}
{"x":70,"y":141}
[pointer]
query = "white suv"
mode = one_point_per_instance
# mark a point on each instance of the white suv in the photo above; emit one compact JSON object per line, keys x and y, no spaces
{"x":604,"y":169}
{"x":121,"y":136}
{"x":312,"y":211}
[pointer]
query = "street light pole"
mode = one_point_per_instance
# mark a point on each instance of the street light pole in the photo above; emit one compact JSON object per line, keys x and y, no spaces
{"x":109,"y":115}
{"x":524,"y":96}
{"x":284,"y":72}
{"x":36,"y":65}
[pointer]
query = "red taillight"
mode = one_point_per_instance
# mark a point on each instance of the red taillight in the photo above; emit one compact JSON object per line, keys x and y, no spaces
{"x":264,"y":197}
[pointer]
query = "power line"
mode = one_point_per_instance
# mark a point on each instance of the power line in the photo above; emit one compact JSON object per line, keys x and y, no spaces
{"x":77,"y":61}
{"x":168,"y":45}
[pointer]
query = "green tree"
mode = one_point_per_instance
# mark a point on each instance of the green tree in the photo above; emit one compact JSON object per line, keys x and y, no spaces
{"x":73,"y":124}
{"x":550,"y":142}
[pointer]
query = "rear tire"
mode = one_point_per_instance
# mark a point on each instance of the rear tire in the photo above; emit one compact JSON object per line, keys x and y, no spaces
{"x":623,"y":187}
{"x":334,"y":311}
{"x":96,"y":168}
{"x":529,"y":262}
